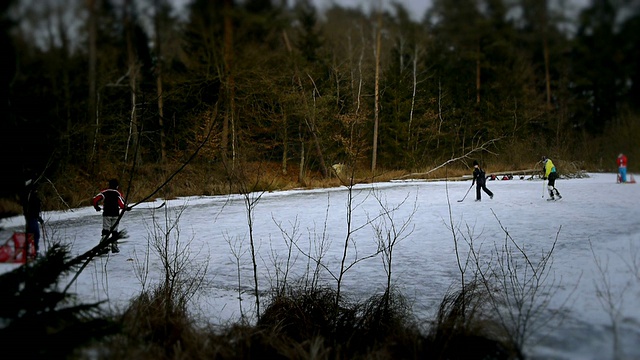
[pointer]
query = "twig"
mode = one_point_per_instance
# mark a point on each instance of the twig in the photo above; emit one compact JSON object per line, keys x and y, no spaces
{"x":57,"y":193}
{"x":452,"y":160}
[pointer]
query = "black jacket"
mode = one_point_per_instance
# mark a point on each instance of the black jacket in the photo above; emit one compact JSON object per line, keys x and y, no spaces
{"x":31,"y":205}
{"x":479,"y":176}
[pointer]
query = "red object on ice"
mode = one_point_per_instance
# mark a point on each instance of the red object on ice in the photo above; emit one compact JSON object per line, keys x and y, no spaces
{"x":631,"y":179}
{"x":13,"y":249}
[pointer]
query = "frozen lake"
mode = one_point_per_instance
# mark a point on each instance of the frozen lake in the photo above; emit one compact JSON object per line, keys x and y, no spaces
{"x":596,"y":225}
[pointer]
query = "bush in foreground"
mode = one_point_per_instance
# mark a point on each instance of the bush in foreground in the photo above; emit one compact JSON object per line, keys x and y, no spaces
{"x":303,"y":323}
{"x":40,"y":321}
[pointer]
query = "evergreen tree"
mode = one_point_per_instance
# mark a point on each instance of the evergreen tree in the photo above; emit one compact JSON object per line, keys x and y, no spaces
{"x":597,"y":64}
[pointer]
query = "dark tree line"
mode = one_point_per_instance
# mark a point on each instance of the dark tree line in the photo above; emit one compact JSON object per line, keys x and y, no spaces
{"x":89,"y":82}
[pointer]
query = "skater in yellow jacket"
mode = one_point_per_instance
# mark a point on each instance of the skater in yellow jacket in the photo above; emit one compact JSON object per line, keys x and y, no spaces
{"x":551,"y":174}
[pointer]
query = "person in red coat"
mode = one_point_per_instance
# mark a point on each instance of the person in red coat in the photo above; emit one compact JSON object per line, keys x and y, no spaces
{"x":622,"y":168}
{"x":113,"y":202}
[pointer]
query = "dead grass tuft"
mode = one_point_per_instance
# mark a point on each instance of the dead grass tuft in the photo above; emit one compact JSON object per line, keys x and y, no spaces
{"x":9,"y":207}
{"x":153,"y":327}
{"x":381,"y":327}
{"x":464,"y":326}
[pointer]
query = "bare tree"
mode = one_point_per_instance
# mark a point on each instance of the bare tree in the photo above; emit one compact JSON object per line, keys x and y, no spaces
{"x":283,"y":267}
{"x":476,"y":147}
{"x":376,"y":109}
{"x":611,"y":300}
{"x":526,"y":285}
{"x":159,"y":5}
{"x":229,"y":116}
{"x":389,"y":233}
{"x":318,"y":246}
{"x":92,"y":6}
{"x":310,"y":116}
{"x":182,"y":277}
{"x":251,"y":200}
{"x":134,"y":68}
{"x":416,"y":54}
{"x":238,"y":252}
{"x":251,"y":187}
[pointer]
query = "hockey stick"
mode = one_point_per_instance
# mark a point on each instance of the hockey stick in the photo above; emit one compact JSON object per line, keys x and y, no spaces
{"x":150,"y":208}
{"x":159,"y":206}
{"x":465,"y":195}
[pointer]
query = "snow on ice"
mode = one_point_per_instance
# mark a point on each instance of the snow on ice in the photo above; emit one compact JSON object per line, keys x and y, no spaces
{"x":596,"y":225}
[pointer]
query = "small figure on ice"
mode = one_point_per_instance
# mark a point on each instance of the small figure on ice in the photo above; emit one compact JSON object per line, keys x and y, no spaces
{"x":480,"y":180}
{"x":550,"y":173}
{"x":622,"y":168}
{"x":31,"y":208}
{"x":113,"y":201}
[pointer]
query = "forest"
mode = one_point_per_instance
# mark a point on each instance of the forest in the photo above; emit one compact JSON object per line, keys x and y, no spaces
{"x":137,"y":90}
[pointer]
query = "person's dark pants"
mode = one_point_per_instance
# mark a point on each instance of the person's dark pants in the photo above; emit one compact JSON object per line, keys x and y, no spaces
{"x":482,"y":186}
{"x":552,"y":179}
{"x":551,"y":185}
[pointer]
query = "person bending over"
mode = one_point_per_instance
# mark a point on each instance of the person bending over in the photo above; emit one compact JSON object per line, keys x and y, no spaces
{"x":551,"y":175}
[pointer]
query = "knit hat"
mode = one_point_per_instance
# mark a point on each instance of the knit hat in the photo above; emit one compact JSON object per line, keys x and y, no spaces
{"x":475,"y":162}
{"x":113,"y":184}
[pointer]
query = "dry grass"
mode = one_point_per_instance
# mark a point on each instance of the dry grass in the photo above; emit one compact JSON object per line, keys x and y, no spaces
{"x":306,"y":323}
{"x":303,"y":324}
{"x":464,"y":325}
{"x":9,"y":207}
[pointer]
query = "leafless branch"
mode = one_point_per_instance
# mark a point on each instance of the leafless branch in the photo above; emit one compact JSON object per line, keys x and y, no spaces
{"x":477,"y":148}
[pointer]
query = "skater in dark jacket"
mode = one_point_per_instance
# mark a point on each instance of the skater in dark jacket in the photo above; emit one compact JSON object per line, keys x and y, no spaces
{"x":113,"y":202}
{"x":480,"y":180}
{"x":31,"y":208}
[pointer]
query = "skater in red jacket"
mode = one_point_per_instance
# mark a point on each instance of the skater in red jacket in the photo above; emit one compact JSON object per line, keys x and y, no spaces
{"x":113,"y":202}
{"x":622,"y":168}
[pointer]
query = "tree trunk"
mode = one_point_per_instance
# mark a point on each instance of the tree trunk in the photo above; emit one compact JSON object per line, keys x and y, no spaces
{"x":413,"y":95}
{"x":301,"y":179}
{"x":545,"y":45}
{"x":66,"y":81}
{"x":478,"y":74}
{"x":92,"y":101}
{"x":376,"y":120}
{"x":285,"y":143}
{"x":133,"y":72}
{"x":440,"y":118}
{"x":229,"y":77}
{"x":163,"y":146}
{"x":311,"y":123}
{"x":309,"y":119}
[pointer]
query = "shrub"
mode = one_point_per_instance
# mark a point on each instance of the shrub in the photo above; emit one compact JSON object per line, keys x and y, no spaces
{"x":41,"y":321}
{"x":463,"y":327}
